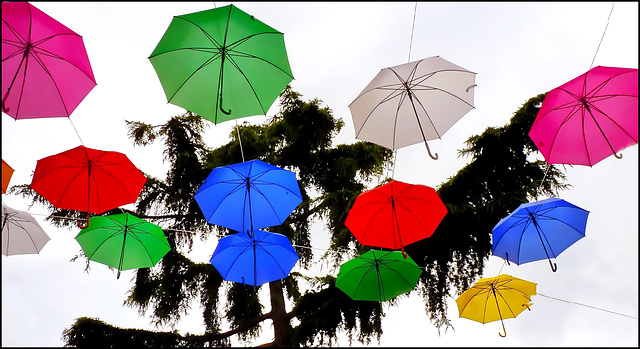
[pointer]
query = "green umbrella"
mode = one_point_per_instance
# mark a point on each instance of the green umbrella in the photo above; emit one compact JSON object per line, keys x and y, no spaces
{"x":378,"y":276}
{"x":222,"y":64}
{"x":123,"y":241}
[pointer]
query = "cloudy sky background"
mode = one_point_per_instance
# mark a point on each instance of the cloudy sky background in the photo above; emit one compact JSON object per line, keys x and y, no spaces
{"x":518,"y":50}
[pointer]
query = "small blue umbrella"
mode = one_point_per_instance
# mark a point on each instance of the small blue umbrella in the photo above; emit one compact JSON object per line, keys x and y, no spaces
{"x":265,"y":257}
{"x":249,"y":195}
{"x":539,"y":230}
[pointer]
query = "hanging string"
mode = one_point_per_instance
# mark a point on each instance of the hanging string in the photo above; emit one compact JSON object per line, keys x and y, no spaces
{"x":393,"y":167}
{"x":424,"y":268}
{"x":589,"y":306}
{"x":412,"y":27}
{"x":239,"y":140}
{"x":544,"y":177}
{"x":76,"y":130}
{"x":605,"y":30}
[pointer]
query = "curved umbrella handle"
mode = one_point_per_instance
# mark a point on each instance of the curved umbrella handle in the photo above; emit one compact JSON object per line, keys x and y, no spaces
{"x":614,"y":154}
{"x":4,"y":99}
{"x":554,"y":267}
{"x":506,"y":256}
{"x":505,"y":331}
{"x":220,"y":106}
{"x":429,"y":151}
{"x":85,"y":225}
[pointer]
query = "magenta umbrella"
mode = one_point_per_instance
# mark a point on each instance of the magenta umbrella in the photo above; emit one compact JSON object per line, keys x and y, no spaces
{"x":589,"y":118}
{"x":45,"y":67}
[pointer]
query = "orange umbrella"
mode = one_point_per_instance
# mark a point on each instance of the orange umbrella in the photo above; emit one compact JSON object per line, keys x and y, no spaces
{"x":7,"y":171}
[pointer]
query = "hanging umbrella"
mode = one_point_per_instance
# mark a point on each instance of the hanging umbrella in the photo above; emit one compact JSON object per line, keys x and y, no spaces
{"x":413,"y":103}
{"x":222,"y":64}
{"x":378,"y":276}
{"x":256,"y":260}
{"x":45,"y":67}
{"x":539,"y":230}
{"x":589,"y":118}
{"x":248,"y":195}
{"x":395,"y":214}
{"x":88,"y":180}
{"x":7,"y":172}
{"x":123,"y":241}
{"x":496,"y":298}
{"x":21,"y":233}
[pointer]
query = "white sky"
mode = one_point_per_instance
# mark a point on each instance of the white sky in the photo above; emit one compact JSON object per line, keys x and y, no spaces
{"x":518,"y":50}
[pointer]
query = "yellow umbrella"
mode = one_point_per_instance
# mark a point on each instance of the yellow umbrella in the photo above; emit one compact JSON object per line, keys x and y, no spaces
{"x":496,"y":298}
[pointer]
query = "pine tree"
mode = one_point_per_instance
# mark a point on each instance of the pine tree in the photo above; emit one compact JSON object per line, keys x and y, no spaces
{"x":501,"y":175}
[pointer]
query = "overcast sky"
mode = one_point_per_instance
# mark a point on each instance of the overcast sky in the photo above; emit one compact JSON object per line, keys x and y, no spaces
{"x":518,"y":50}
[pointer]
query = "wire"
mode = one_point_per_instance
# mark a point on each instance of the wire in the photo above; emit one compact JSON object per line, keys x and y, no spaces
{"x":412,"y":27}
{"x":605,"y":30}
{"x":589,"y":306}
{"x":239,"y":140}
{"x":424,"y":268}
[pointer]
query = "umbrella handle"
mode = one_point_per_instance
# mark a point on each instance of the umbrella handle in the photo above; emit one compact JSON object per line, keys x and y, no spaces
{"x":220,"y":105}
{"x":554,"y":267}
{"x":614,"y":154}
{"x":505,"y":331}
{"x":506,"y":256}
{"x":4,"y":99}
{"x":429,"y":151}
{"x":85,"y":225}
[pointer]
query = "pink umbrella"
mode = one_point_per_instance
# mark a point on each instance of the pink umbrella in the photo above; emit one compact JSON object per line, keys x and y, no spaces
{"x":589,"y":118}
{"x":45,"y":67}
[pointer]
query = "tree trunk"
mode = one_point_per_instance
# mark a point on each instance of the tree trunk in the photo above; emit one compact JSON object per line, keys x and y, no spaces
{"x":281,"y":321}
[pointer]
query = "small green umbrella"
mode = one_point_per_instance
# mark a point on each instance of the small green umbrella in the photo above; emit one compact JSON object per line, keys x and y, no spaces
{"x":378,"y":276}
{"x":123,"y":241}
{"x":222,"y":64}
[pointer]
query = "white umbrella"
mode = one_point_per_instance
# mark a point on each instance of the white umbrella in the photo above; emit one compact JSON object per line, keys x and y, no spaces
{"x":21,"y":234}
{"x":412,"y":103}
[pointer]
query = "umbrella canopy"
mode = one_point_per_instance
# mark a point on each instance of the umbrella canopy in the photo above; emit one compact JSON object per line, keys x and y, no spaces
{"x":395,"y":214}
{"x":378,"y":276}
{"x":7,"y":172}
{"x":248,"y":195}
{"x":45,"y":67}
{"x":496,"y":298}
{"x":88,"y":180}
{"x":222,"y":64}
{"x":256,"y":260}
{"x":589,"y":118}
{"x":123,"y":241}
{"x":539,"y":230}
{"x":413,"y":103}
{"x":21,"y":233}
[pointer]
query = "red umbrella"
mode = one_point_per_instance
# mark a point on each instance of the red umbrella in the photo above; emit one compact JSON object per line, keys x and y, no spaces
{"x":395,"y":214}
{"x":45,"y":67}
{"x":88,"y":180}
{"x":589,"y":118}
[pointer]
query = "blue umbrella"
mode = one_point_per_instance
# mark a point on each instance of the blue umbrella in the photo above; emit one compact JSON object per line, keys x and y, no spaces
{"x":539,"y":230}
{"x":265,"y":257}
{"x":248,"y":196}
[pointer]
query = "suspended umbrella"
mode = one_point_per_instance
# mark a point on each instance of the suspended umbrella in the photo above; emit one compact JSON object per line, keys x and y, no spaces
{"x":412,"y":103}
{"x":222,"y":64}
{"x":588,"y":118}
{"x":248,"y":195}
{"x":539,"y":230}
{"x":21,"y":233}
{"x":378,"y":276}
{"x":45,"y":67}
{"x":123,"y":241}
{"x":88,"y":180}
{"x":395,"y":214}
{"x":7,"y":172}
{"x":496,"y":298}
{"x":255,"y":260}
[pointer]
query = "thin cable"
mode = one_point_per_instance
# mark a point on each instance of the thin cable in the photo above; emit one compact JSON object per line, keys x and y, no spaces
{"x":393,"y":167}
{"x":605,"y":30}
{"x":424,"y":268}
{"x":544,"y":177}
{"x":74,"y":128}
{"x":589,"y":306}
{"x":412,"y":27}
{"x":239,"y":140}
